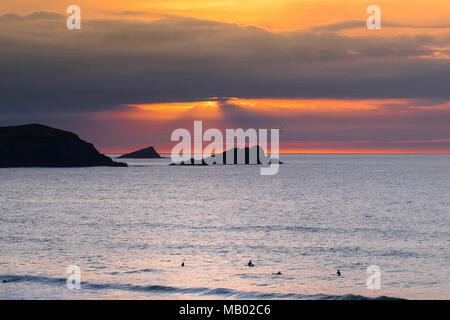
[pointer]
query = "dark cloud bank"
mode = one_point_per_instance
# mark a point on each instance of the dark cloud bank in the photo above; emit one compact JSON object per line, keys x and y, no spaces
{"x":106,"y":64}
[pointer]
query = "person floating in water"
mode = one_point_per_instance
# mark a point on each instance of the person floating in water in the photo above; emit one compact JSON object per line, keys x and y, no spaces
{"x":338,"y":273}
{"x":277,"y":274}
{"x":182,"y":264}
{"x":250,"y":264}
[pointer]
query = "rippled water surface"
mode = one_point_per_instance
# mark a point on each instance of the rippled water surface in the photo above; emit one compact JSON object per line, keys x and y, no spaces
{"x":129,"y":229}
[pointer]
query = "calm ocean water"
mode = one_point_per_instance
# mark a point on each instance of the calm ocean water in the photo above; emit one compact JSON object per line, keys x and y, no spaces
{"x":129,"y":229}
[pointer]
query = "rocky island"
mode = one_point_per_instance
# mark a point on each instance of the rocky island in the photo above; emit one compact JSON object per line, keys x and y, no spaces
{"x":147,"y":153}
{"x":221,"y":158}
{"x":36,"y":145}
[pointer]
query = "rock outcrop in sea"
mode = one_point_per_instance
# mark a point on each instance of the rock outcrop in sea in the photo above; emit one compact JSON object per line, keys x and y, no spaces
{"x":238,"y":156}
{"x":36,"y":145}
{"x":147,"y":153}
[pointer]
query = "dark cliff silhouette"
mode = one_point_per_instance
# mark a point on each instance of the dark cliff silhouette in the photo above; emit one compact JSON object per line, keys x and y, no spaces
{"x":147,"y":153}
{"x":221,"y":158}
{"x":36,"y":145}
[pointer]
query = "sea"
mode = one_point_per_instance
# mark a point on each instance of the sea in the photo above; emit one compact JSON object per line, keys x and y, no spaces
{"x":382,"y":220}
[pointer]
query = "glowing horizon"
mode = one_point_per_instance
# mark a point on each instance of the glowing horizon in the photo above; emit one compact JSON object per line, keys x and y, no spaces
{"x":219,"y":113}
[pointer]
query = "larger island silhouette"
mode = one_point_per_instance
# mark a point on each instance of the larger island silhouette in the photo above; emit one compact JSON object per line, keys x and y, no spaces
{"x":37,"y":145}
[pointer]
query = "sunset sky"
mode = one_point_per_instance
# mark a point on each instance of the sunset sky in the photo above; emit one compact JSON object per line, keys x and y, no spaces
{"x":139,"y":69}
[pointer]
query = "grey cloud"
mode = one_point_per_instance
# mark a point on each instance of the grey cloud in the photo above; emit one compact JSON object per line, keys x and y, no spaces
{"x":39,"y":15}
{"x":354,"y":24}
{"x":341,"y":26}
{"x":129,"y":13}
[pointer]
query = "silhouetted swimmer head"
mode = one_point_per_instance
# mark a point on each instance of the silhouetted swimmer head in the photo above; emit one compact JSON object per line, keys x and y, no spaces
{"x":338,"y":273}
{"x":4,"y":281}
{"x":182,"y":264}
{"x":250,"y":264}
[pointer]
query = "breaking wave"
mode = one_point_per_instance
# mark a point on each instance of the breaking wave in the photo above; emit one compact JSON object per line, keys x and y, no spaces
{"x":217,"y":292}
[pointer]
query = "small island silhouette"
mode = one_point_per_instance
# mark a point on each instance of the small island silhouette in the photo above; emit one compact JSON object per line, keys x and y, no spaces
{"x":221,"y":158}
{"x":147,"y":153}
{"x":37,"y":145}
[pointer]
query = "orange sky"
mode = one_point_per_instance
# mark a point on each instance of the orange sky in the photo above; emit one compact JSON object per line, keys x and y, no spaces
{"x":276,"y":15}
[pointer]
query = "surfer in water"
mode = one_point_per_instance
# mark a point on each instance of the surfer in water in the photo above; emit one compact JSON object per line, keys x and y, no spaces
{"x":338,"y":273}
{"x":182,"y":264}
{"x":250,"y":264}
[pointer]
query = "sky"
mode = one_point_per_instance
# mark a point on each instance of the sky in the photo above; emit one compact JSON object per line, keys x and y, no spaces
{"x":137,"y":70}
